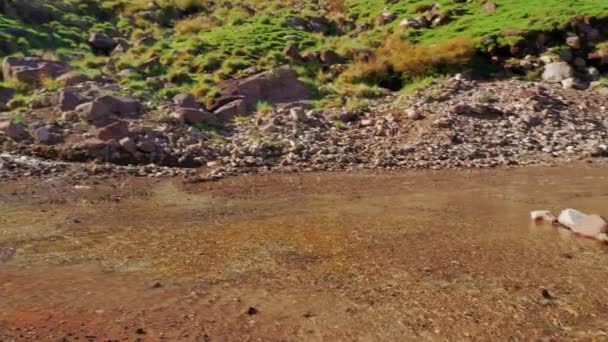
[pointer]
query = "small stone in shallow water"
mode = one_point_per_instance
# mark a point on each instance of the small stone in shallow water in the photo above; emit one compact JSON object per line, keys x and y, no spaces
{"x":542,"y":215}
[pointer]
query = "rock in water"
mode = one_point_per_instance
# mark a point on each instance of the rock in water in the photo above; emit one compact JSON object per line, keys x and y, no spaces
{"x":583,"y":224}
{"x":542,"y":215}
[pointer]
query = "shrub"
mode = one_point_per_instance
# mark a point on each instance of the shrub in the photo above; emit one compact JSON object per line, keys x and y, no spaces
{"x":417,"y":60}
{"x":356,"y":105}
{"x":398,"y":58}
{"x":195,"y":25}
{"x":336,"y":6}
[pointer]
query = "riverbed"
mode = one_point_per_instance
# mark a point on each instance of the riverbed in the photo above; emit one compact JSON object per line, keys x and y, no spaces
{"x":445,"y":255}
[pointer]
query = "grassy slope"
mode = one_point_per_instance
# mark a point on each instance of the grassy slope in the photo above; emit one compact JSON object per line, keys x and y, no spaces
{"x":194,"y":60}
{"x":526,"y":15}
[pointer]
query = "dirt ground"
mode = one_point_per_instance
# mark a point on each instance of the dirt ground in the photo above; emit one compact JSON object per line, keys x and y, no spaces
{"x":394,"y":256}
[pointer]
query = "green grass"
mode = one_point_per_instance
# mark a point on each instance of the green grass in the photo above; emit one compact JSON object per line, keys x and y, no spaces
{"x":527,"y":15}
{"x":228,"y":39}
{"x":263,"y":107}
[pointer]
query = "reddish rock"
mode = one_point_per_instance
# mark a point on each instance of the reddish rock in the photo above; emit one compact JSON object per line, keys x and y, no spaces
{"x":92,"y":144}
{"x":93,"y":111}
{"x":186,"y":100}
{"x":194,"y":116}
{"x":280,"y":85}
{"x":116,"y":130}
{"x":120,"y":105}
{"x":291,"y":51}
{"x":68,"y":100}
{"x":13,"y":131}
{"x":329,"y":57}
{"x":48,"y":134}
{"x":229,"y":111}
{"x":31,"y":70}
{"x":146,"y":146}
{"x":101,"y":43}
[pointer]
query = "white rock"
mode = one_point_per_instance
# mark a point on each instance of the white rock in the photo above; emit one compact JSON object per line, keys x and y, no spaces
{"x":568,"y":217}
{"x":413,"y":114}
{"x":556,"y":72}
{"x":542,"y":215}
{"x":583,"y":224}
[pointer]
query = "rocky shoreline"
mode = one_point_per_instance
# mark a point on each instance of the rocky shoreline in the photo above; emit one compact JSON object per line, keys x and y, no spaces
{"x":453,"y":123}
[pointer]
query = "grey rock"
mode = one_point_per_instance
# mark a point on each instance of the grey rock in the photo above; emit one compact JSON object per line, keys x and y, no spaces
{"x":557,"y":72}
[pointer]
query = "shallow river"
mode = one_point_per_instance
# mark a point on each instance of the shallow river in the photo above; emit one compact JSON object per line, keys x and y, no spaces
{"x":317,"y":257}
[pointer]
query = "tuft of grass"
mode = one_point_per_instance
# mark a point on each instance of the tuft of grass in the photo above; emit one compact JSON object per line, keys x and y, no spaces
{"x":18,"y":120}
{"x":240,"y":120}
{"x":353,"y":105}
{"x":50,"y":84}
{"x":263,"y":107}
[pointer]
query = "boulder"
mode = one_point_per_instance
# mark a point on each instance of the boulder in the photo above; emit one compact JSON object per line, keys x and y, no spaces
{"x":120,"y":105}
{"x":146,"y":146}
{"x":116,"y":130}
{"x":92,"y":144}
{"x":48,"y":135}
{"x":31,"y":70}
{"x":415,"y":23}
{"x":71,"y":79}
{"x":310,"y":24}
{"x":13,"y":131}
{"x":574,"y":42}
{"x":557,"y":72}
{"x":186,"y":100}
{"x":194,"y":116}
{"x":384,"y":18}
{"x":579,"y":62}
{"x":291,"y":51}
{"x":93,"y":111}
{"x":228,"y":112}
{"x":329,"y":57}
{"x":583,"y":224}
{"x":69,"y":100}
{"x":280,"y":85}
{"x":101,"y":43}
{"x":6,"y":94}
{"x":128,"y":144}
{"x":573,"y":83}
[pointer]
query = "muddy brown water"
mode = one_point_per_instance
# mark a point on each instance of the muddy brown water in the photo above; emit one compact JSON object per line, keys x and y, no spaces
{"x":312,"y":257}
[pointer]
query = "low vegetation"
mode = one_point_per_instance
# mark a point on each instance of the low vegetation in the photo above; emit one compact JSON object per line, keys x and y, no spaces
{"x":193,"y":45}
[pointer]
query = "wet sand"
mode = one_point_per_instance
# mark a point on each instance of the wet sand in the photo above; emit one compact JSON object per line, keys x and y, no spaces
{"x":318,"y":257}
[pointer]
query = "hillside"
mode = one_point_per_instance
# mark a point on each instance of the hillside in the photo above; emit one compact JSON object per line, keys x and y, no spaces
{"x":200,"y":43}
{"x":177,"y":82}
